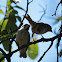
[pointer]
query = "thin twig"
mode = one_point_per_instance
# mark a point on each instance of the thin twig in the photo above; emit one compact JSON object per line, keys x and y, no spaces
{"x":11,"y":44}
{"x":56,"y":8}
{"x":25,"y":13}
{"x":46,"y":51}
{"x":44,"y":12}
{"x":30,"y":1}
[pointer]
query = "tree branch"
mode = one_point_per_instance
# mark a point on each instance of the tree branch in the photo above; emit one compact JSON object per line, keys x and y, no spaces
{"x":40,"y":40}
{"x":58,"y":46}
{"x":2,"y":52}
{"x":30,"y":43}
{"x":11,"y":44}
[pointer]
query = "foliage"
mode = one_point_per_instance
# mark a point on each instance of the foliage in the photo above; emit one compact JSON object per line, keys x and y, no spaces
{"x":8,"y":28}
{"x":1,"y":55}
{"x":33,"y":50}
{"x":1,"y":11}
{"x":8,"y":24}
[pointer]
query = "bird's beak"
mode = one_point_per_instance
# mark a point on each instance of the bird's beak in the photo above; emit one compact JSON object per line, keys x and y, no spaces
{"x":51,"y":30}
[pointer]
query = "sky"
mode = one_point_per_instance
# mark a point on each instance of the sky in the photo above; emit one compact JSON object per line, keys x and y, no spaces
{"x":35,"y":11}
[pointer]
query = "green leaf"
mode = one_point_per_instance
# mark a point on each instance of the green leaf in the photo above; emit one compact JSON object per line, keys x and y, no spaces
{"x":8,"y":3}
{"x":1,"y":22}
{"x":33,"y":51}
{"x":1,"y":25}
{"x":1,"y":11}
{"x":1,"y":55}
{"x":59,"y":18}
{"x":4,"y":35}
{"x":8,"y":12}
{"x":4,"y":25}
{"x":11,"y":24}
{"x":19,"y":7}
{"x":6,"y":45}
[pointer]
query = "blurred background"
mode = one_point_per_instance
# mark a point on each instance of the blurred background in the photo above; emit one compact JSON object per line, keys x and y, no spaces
{"x":37,"y":9}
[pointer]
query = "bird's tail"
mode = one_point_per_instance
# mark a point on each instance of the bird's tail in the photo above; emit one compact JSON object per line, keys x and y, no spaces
{"x":29,"y":19}
{"x":22,"y":53}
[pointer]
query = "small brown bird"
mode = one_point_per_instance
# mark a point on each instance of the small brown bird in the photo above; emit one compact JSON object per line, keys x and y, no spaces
{"x":22,"y":38}
{"x":38,"y":27}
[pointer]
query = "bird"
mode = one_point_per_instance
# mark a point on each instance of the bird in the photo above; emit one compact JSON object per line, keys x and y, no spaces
{"x":22,"y":38}
{"x":38,"y":27}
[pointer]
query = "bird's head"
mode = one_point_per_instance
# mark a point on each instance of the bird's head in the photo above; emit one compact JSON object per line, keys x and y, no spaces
{"x":49,"y":28}
{"x":26,"y":26}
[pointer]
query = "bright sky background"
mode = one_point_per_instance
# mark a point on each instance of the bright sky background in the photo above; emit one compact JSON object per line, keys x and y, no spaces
{"x":35,"y":11}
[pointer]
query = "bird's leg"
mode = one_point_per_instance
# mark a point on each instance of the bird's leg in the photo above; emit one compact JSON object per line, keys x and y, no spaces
{"x":32,"y":34}
{"x":32,"y":37}
{"x":33,"y":40}
{"x":42,"y":36}
{"x":19,"y":54}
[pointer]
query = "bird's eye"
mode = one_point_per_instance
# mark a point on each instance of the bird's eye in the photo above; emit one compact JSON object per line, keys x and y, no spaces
{"x":24,"y":26}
